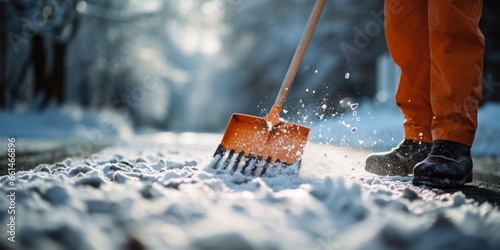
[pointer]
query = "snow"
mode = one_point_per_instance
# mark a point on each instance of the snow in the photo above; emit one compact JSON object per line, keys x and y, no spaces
{"x":54,"y":127}
{"x":154,"y":192}
{"x":67,"y":121}
{"x":159,"y":192}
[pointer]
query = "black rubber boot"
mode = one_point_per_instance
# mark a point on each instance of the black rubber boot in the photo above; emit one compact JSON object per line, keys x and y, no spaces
{"x":400,"y":160}
{"x":449,"y":165}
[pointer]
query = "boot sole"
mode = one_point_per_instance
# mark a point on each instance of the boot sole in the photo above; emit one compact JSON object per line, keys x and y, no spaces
{"x":441,"y":183}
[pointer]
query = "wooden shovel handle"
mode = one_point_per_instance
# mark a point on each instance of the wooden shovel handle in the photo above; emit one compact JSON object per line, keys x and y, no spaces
{"x":299,"y":54}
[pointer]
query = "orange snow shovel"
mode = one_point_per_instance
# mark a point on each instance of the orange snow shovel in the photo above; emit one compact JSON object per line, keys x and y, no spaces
{"x":269,"y":141}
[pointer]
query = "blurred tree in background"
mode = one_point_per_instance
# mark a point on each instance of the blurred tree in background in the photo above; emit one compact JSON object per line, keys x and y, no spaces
{"x":94,"y":54}
{"x":189,"y":64}
{"x":36,"y":36}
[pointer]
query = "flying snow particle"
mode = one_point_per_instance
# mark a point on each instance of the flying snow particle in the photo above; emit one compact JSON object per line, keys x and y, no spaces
{"x":323,"y":106}
{"x":347,"y":75}
{"x":269,"y":126}
{"x":354,"y":106}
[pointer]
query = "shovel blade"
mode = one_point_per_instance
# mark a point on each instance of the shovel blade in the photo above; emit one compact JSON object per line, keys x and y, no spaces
{"x":254,"y":135}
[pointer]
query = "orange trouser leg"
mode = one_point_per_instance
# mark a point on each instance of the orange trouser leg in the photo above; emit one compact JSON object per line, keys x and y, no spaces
{"x":407,"y":36}
{"x":456,"y":52}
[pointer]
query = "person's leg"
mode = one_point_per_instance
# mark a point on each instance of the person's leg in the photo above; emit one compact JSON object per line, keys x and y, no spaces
{"x":457,"y":47}
{"x":456,"y":52}
{"x":407,"y":36}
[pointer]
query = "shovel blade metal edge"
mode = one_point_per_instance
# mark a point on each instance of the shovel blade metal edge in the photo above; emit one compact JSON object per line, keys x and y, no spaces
{"x":252,"y":135}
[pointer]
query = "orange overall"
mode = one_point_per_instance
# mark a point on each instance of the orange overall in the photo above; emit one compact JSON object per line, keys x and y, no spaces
{"x":439,"y":48}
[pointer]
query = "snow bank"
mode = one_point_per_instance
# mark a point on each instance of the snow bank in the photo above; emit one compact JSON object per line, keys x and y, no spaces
{"x":147,"y":195}
{"x":67,"y":129}
{"x":64,"y":122}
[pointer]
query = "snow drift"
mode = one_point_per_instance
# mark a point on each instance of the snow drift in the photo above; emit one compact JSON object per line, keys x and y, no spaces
{"x":150,"y":195}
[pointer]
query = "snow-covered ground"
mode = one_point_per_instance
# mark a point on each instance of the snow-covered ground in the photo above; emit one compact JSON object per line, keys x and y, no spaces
{"x":154,"y":192}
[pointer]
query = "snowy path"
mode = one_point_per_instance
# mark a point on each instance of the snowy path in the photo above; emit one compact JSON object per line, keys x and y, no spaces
{"x":151,"y":193}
